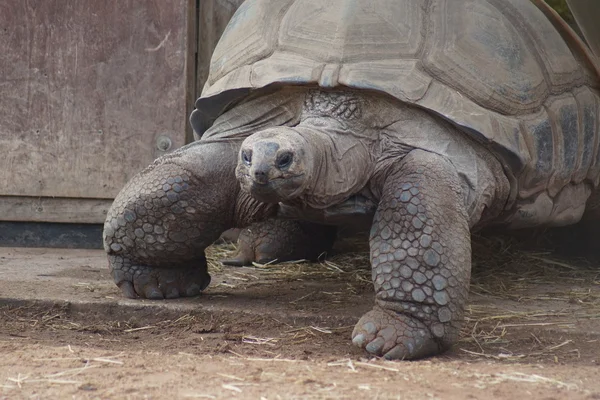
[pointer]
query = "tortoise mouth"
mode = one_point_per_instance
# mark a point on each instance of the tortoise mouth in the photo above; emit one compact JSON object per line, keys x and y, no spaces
{"x":253,"y":181}
{"x":274,"y":189}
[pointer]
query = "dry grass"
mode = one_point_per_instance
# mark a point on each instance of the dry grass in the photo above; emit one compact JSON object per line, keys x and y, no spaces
{"x":515,"y":286}
{"x":524,"y":302}
{"x":349,"y":266}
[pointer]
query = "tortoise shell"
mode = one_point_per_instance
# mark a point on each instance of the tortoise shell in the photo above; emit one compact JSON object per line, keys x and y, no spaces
{"x":501,"y":70}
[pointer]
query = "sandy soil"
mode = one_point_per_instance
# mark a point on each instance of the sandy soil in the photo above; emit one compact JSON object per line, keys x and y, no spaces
{"x":282,"y":332}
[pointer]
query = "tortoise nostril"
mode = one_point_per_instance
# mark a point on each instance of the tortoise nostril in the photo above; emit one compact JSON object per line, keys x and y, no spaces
{"x":261,"y":175}
{"x":284,"y":160}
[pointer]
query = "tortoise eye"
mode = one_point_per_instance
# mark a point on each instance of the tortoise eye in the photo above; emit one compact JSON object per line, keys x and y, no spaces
{"x":247,"y":157}
{"x":284,"y":160}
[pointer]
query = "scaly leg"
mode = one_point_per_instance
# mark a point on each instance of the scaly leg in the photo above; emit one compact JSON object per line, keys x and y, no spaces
{"x":421,"y":261}
{"x":282,"y":240}
{"x":161,"y":222}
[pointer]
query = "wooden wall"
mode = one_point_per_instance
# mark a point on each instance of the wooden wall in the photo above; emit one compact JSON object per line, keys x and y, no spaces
{"x":92,"y":92}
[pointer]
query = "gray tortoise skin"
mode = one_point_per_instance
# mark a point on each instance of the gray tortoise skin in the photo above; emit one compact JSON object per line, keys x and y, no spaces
{"x":425,"y":119}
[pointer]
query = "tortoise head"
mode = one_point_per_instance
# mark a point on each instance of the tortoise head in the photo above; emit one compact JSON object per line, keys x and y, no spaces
{"x":275,"y":165}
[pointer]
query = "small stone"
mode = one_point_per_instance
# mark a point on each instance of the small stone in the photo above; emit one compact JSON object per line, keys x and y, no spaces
{"x":87,"y":387}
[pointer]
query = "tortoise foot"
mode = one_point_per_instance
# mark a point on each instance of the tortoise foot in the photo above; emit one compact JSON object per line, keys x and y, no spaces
{"x":229,"y":236}
{"x":278,"y":240}
{"x":394,"y":336}
{"x":238,"y":260}
{"x":137,"y":280}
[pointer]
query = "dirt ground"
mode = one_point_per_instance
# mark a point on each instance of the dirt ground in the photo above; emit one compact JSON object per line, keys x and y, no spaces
{"x":283,"y":332}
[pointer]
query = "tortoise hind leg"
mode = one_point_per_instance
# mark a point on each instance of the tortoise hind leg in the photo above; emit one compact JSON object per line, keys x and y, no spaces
{"x":421,"y":261}
{"x":229,"y":236}
{"x":277,"y":240}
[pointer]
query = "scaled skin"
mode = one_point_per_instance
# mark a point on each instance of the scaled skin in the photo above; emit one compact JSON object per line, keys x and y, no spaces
{"x":161,"y":222}
{"x":420,"y":235}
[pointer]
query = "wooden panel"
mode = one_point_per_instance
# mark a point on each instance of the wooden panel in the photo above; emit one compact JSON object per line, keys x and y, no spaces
{"x":213,"y":16}
{"x":88,"y":88}
{"x":44,"y":209}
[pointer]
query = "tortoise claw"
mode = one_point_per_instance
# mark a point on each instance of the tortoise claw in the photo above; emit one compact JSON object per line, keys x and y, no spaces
{"x":158,"y":283}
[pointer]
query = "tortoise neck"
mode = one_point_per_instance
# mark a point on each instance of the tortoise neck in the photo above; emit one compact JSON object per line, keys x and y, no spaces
{"x":342,"y":159}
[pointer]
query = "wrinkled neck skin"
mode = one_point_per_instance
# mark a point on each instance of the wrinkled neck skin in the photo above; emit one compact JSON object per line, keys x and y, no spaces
{"x":360,"y":135}
{"x":223,"y":204}
{"x":340,"y":163}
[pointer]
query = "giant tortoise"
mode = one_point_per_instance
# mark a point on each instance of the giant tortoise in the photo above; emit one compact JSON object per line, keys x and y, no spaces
{"x":446,"y":115}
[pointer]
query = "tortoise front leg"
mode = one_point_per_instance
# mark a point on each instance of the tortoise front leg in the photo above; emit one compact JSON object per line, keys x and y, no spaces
{"x":421,"y":261}
{"x":160,"y":223}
